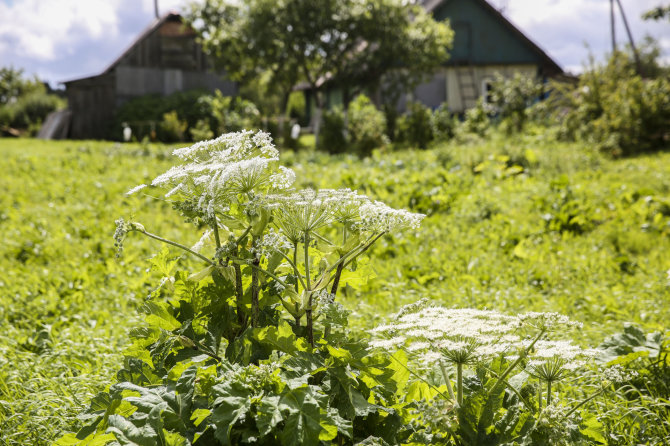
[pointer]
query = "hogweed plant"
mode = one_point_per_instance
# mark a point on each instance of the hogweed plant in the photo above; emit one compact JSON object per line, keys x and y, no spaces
{"x":503,"y":352}
{"x":253,"y":347}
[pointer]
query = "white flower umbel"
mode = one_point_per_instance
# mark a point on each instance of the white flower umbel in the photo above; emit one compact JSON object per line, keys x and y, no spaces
{"x":217,"y":172}
{"x":378,"y":217}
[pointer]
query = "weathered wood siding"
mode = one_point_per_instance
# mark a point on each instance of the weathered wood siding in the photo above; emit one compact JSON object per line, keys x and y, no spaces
{"x":165,"y":59}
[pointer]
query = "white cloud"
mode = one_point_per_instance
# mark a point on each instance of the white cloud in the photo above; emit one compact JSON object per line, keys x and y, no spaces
{"x":41,"y":29}
{"x":63,"y":39}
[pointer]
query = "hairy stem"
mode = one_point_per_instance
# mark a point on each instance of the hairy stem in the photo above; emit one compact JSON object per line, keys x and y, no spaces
{"x":583,"y":402}
{"x":336,"y":278}
{"x":521,"y":357}
{"x":255,"y":289}
{"x":447,"y":379}
{"x":459,"y":382}
{"x":217,"y":238}
{"x":548,"y":393}
{"x":239,"y":292}
{"x":308,"y":310}
{"x":178,"y":245}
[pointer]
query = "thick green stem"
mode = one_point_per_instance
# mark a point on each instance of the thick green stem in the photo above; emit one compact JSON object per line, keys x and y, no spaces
{"x":295,"y":262}
{"x":503,"y":377}
{"x":255,"y":290}
{"x":539,"y":396}
{"x":336,"y":278}
{"x":447,"y":379}
{"x":237,"y":261}
{"x":178,"y":245}
{"x":215,"y":228}
{"x":459,"y":379}
{"x":548,"y":393}
{"x":308,"y":310}
{"x":239,"y":293}
{"x":583,"y":402}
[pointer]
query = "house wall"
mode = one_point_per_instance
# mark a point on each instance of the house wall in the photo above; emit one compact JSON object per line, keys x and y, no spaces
{"x":92,"y":102}
{"x":482,"y":38}
{"x":135,"y":81}
{"x":455,"y":99}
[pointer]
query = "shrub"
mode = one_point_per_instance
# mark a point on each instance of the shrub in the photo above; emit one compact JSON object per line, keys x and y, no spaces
{"x":443,"y":123}
{"x":477,"y":119}
{"x":615,"y":109}
{"x":415,"y":126}
{"x":197,"y":108}
{"x":366,"y":126}
{"x":172,"y":128}
{"x":511,"y":99}
{"x":25,"y":104}
{"x":332,"y":138}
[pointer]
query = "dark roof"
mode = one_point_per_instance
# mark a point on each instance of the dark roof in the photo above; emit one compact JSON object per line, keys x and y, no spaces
{"x":153,"y":26}
{"x":432,"y":5}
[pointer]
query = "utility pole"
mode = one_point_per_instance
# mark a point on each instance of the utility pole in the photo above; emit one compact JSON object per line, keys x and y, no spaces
{"x":638,"y":64}
{"x":612,"y":26}
{"x":156,"y":8}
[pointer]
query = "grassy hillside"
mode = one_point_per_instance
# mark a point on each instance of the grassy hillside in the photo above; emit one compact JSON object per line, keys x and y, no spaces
{"x":513,"y":224}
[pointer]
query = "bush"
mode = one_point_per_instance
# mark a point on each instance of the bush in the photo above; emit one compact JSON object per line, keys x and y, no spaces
{"x":332,"y":137}
{"x":512,"y":98}
{"x":477,"y":119}
{"x":443,"y":123}
{"x":615,"y":109}
{"x":172,"y":128}
{"x":24,"y":104}
{"x":200,"y":110}
{"x":415,"y":126}
{"x":366,"y":126}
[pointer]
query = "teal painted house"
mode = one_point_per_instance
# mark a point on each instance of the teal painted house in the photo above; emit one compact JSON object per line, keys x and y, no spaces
{"x":485,"y":43}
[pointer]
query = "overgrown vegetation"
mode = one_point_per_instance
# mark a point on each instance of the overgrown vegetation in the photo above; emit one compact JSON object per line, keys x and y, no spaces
{"x":24,"y":103}
{"x":505,"y":231}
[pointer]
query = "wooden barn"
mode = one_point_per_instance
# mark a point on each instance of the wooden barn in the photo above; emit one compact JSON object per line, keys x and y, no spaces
{"x":485,"y":43}
{"x":164,"y":59}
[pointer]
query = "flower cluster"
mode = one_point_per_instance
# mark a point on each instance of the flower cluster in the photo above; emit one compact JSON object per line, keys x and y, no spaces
{"x":216,"y":172}
{"x":463,"y":336}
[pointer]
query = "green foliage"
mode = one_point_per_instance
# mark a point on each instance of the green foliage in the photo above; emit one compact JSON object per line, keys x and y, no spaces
{"x":192,"y":114}
{"x":366,"y":126}
{"x":68,"y":305}
{"x":24,"y":104}
{"x":617,"y":110}
{"x":477,"y":119}
{"x":512,"y":97}
{"x":443,"y":123}
{"x":172,"y":128}
{"x":333,"y":138}
{"x":415,"y":126}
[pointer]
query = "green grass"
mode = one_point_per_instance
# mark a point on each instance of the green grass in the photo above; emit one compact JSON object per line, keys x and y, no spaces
{"x":513,"y":224}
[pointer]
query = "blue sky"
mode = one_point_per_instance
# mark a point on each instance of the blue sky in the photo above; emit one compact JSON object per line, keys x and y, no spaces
{"x":66,"y":39}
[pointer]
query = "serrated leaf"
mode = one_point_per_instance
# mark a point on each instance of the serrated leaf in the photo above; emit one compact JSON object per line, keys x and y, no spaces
{"x":592,"y":428}
{"x":159,"y":315}
{"x":302,"y":426}
{"x":269,"y":414}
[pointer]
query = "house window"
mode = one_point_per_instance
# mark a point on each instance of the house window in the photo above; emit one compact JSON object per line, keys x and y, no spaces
{"x":487,"y":90}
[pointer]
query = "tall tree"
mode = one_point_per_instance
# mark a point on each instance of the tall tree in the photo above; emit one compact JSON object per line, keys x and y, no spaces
{"x":362,"y":43}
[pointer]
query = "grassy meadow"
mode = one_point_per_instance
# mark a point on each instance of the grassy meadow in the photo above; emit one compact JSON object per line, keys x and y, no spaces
{"x":513,"y":224}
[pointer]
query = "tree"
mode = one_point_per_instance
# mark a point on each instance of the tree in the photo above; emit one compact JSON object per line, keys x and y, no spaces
{"x":362,"y":43}
{"x":658,"y":13}
{"x":13,"y":85}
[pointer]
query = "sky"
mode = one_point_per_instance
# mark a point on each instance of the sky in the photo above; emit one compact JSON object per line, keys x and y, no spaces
{"x":60,"y":40}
